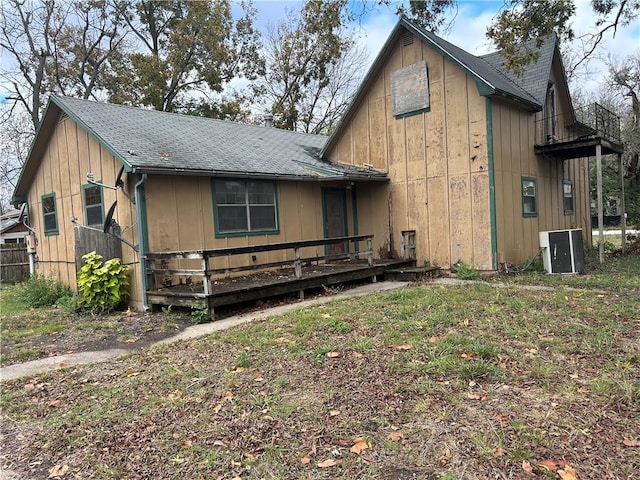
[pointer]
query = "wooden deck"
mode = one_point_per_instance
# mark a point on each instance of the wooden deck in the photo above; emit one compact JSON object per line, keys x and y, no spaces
{"x":282,"y":281}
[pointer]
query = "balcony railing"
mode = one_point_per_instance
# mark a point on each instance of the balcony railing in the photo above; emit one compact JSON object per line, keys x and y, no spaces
{"x":591,"y":121}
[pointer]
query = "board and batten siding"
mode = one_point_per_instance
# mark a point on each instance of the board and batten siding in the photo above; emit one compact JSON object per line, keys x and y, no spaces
{"x":180,"y":217}
{"x":514,"y":131}
{"x":62,"y":171}
{"x":437,"y":161}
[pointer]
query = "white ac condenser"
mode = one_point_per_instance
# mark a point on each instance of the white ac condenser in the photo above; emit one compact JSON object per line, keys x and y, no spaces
{"x":562,"y":251}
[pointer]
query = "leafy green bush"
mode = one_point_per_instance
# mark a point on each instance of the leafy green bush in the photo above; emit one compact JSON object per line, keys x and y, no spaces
{"x":200,"y":313}
{"x":466,"y":272}
{"x":41,"y":291}
{"x":102,"y":285}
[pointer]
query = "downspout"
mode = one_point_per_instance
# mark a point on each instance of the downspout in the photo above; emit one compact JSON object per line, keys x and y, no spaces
{"x":141,"y":243}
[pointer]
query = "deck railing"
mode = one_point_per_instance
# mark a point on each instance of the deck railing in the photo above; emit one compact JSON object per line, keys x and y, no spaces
{"x":591,"y":121}
{"x":162,"y":264}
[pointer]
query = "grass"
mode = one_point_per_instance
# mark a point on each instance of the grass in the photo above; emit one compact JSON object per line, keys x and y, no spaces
{"x":442,"y":382}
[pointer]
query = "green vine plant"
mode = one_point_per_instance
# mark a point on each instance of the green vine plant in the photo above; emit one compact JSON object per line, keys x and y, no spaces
{"x":102,"y":285}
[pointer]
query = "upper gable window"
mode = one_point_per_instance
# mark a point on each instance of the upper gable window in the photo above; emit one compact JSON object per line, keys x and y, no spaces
{"x":410,"y":90}
{"x":49,"y":214}
{"x":245,"y":207}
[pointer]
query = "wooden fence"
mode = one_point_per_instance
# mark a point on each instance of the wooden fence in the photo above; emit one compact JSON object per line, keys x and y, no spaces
{"x":14,"y":262}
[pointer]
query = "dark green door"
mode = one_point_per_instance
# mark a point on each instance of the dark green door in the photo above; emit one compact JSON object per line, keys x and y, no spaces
{"x":334,"y":208}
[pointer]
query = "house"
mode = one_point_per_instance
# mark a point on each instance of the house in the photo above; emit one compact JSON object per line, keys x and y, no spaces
{"x":12,"y":228}
{"x":472,"y":158}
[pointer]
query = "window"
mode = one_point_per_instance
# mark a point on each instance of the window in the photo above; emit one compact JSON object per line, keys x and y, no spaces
{"x":245,"y":207}
{"x":529,"y":205}
{"x":567,"y":197}
{"x":93,"y":210}
{"x":49,"y":214}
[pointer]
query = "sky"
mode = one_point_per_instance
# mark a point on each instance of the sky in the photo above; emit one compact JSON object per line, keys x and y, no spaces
{"x":469,"y":32}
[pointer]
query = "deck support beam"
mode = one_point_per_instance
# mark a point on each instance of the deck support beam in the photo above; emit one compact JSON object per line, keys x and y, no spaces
{"x":599,"y":203}
{"x":623,"y":214}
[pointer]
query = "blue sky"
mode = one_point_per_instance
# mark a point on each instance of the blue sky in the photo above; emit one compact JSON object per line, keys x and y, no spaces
{"x":469,"y":28}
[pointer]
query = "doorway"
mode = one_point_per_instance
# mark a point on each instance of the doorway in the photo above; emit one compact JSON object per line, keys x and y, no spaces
{"x":334,"y":211}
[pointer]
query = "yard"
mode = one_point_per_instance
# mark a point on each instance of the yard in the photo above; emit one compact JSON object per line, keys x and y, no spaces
{"x":442,"y":382}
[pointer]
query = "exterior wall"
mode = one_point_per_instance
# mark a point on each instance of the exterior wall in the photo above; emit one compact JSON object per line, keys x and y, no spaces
{"x":514,"y":131}
{"x":70,"y":154}
{"x":437,"y":162}
{"x":180,"y":216}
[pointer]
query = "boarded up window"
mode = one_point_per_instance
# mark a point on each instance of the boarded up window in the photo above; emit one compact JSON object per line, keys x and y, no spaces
{"x":245,"y":207}
{"x":410,"y":89}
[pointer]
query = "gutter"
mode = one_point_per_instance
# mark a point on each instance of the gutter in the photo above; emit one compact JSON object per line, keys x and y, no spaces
{"x":142,"y":228}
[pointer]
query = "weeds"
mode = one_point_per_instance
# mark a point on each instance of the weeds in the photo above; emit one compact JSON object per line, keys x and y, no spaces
{"x":40,"y":291}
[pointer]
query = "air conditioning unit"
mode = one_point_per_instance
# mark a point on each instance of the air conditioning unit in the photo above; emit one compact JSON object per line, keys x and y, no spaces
{"x":562,"y":251}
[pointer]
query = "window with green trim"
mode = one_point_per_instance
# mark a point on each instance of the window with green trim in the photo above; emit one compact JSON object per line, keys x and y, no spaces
{"x":243,"y":207}
{"x":93,"y":206}
{"x":529,"y":201}
{"x":567,"y":197}
{"x":49,"y":214}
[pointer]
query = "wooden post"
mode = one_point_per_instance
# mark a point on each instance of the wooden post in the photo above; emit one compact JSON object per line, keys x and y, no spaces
{"x":370,"y":251}
{"x":297,"y":264}
{"x":623,"y":215}
{"x":599,"y":202}
{"x":205,"y":278}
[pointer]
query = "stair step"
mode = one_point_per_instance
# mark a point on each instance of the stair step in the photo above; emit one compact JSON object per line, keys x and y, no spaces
{"x":412,"y":274}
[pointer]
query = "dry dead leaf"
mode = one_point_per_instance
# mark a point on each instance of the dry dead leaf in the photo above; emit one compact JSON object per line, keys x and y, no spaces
{"x":326,"y":315}
{"x":395,"y":436}
{"x":526,"y":466}
{"x":56,"y":403}
{"x":552,"y":465}
{"x":333,"y":354}
{"x":131,"y":373}
{"x":175,"y":395}
{"x":631,"y":443}
{"x":61,"y":365}
{"x":187,"y":444}
{"x":466,"y":355}
{"x":30,"y":386}
{"x":567,"y":473}
{"x":402,"y":347}
{"x":474,"y":396}
{"x":499,"y":452}
{"x":359,"y":445}
{"x":433,"y":339}
{"x":58,"y":471}
{"x":330,"y":462}
{"x":227,"y":396}
{"x":131,"y":340}
{"x":334,"y":413}
{"x":305,"y":460}
{"x":218,"y":443}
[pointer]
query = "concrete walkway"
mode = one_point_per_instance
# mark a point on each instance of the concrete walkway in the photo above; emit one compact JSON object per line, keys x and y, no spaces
{"x":43,"y":365}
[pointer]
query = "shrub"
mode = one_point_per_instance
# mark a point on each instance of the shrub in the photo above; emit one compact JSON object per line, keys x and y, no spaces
{"x":41,"y":291}
{"x":200,"y":312}
{"x":103,"y":285}
{"x":466,"y":272}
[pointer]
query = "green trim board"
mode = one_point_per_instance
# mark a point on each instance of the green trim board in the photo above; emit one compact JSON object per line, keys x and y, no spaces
{"x":354,"y":215}
{"x":243,"y":233}
{"x":86,"y":187}
{"x":492,"y":186}
{"x":54,"y":212}
{"x":527,"y":183}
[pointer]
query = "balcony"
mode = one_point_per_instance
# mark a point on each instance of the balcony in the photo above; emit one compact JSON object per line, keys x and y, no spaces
{"x":564,"y":137}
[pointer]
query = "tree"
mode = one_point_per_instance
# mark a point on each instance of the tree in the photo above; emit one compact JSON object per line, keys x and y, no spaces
{"x":524,"y":21}
{"x":54,"y":46}
{"x":312,"y":67}
{"x":184,"y":47}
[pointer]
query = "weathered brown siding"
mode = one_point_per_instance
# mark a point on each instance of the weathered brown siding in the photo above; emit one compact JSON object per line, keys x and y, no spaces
{"x":437,"y":161}
{"x":70,"y":154}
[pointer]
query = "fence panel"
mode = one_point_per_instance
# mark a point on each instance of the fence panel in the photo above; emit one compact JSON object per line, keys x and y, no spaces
{"x":14,"y":262}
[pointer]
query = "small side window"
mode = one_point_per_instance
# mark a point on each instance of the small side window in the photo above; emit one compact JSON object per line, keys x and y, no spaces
{"x":49,"y":214}
{"x":93,"y":207}
{"x":529,"y":201}
{"x":567,"y":197}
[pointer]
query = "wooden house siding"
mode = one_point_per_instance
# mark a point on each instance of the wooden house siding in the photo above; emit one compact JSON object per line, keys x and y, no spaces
{"x":62,"y":171}
{"x":514,"y":135}
{"x":437,"y":160}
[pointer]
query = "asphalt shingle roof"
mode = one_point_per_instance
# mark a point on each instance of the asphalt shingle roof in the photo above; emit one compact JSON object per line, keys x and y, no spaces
{"x":162,"y":142}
